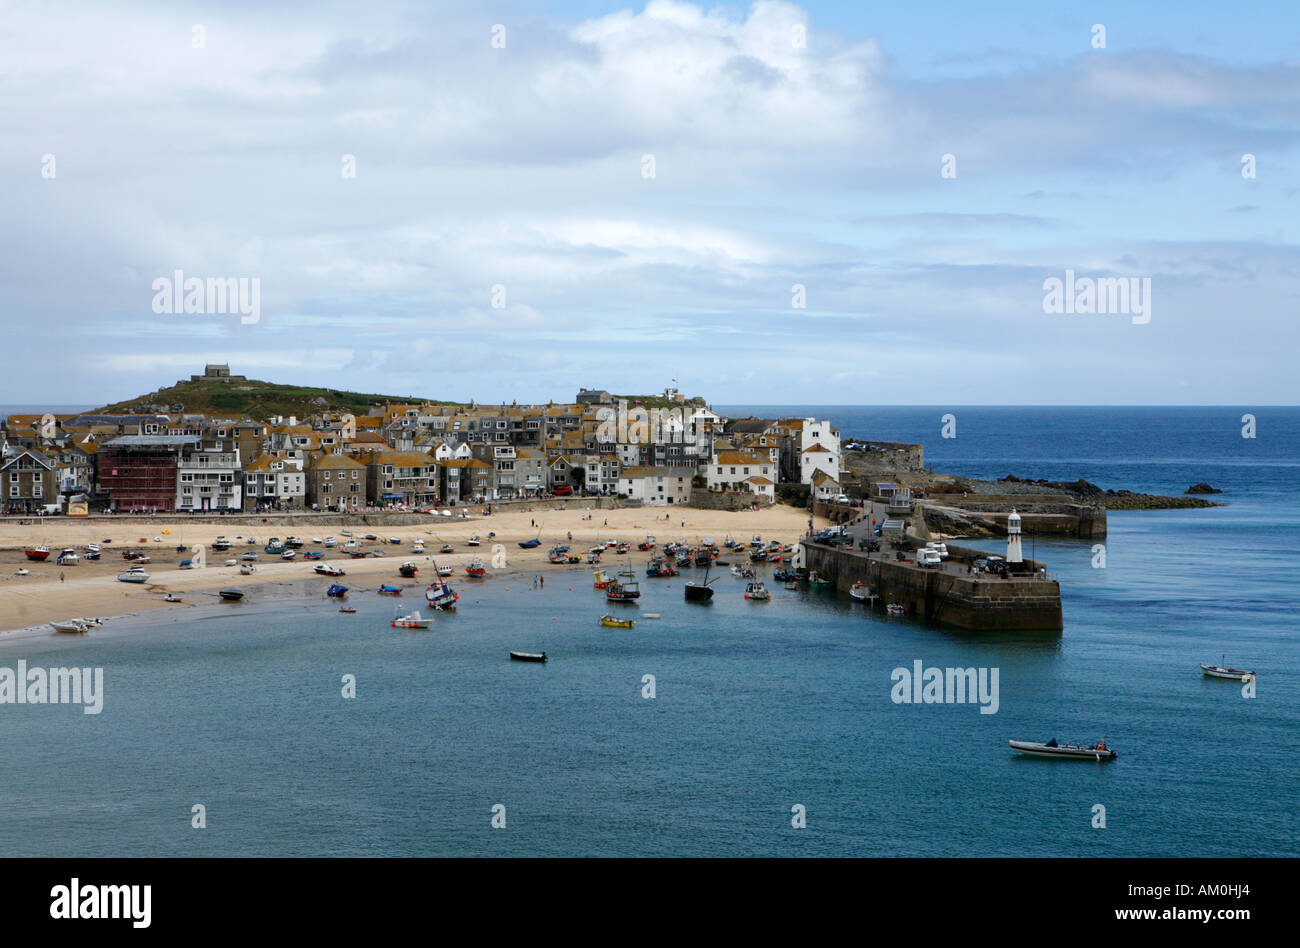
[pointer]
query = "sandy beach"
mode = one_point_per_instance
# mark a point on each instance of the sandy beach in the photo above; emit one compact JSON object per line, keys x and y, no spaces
{"x":91,"y":588}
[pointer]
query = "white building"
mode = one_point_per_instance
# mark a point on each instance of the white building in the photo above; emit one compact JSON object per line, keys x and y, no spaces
{"x":657,"y":486}
{"x":731,"y":470}
{"x":209,"y":479}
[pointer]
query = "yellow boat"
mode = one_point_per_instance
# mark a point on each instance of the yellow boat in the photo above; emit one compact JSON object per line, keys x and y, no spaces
{"x":615,"y":623}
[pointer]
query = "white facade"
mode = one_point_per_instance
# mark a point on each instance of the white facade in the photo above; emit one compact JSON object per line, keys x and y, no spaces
{"x":209,"y":480}
{"x":819,"y":450}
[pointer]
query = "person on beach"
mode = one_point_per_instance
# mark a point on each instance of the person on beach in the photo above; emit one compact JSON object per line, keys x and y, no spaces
{"x":542,"y":581}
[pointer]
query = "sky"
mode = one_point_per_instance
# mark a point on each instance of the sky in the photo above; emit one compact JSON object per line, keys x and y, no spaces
{"x":772,"y":203}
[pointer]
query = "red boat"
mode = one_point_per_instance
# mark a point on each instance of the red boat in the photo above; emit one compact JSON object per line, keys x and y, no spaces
{"x":476,"y":569}
{"x":622,"y":592}
{"x":38,"y":553}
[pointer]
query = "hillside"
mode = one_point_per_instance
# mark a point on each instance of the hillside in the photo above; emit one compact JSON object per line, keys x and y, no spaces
{"x":254,"y":399}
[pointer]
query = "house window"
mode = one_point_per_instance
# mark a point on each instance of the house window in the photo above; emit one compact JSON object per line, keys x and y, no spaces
{"x":325,"y":488}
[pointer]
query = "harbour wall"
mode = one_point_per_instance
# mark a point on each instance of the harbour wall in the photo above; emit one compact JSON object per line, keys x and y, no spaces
{"x":942,"y":596}
{"x":727,"y":499}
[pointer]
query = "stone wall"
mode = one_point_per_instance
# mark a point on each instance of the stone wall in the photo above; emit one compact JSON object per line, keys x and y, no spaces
{"x":727,"y":499}
{"x":894,"y":456}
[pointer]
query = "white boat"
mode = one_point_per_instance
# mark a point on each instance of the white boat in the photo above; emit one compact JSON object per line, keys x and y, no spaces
{"x":70,"y":626}
{"x":171,"y":597}
{"x":413,"y":621}
{"x":394,"y":540}
{"x":249,"y":557}
{"x":133,"y":575}
{"x":329,"y":541}
{"x":757,"y":591}
{"x":327,"y":569}
{"x":232,"y":562}
{"x":1219,"y":671}
{"x":346,"y":533}
{"x":1098,"y":751}
{"x":896,"y":609}
{"x":23,"y":572}
{"x":446,"y":570}
{"x":316,"y":540}
{"x":417,"y":546}
{"x":473,"y":541}
{"x":68,"y":557}
{"x":247,"y":569}
{"x":92,"y":547}
{"x":862,"y":592}
{"x":288,"y":555}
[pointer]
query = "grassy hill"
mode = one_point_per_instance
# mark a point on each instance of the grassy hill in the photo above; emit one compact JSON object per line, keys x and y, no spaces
{"x":256,"y":399}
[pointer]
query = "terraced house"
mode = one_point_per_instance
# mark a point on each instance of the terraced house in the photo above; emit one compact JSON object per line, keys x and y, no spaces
{"x":209,"y":479}
{"x":30,"y":482}
{"x":402,"y":477}
{"x":271,"y":481}
{"x":335,"y":481}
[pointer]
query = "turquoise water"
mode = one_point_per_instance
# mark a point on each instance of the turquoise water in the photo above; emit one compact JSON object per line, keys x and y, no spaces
{"x":758,"y":707}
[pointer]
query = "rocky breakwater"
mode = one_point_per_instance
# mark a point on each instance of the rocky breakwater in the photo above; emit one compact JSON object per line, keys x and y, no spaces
{"x":1084,"y":492}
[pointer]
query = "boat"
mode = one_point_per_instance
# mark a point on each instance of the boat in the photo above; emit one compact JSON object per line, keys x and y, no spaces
{"x":660,"y":567}
{"x":476,"y":568}
{"x":529,"y":545}
{"x":759,"y":556}
{"x":346,"y":533}
{"x":231,"y":595}
{"x":703,"y":558}
{"x":862,"y":592}
{"x":1098,"y":751}
{"x":329,"y":541}
{"x":231,"y":563}
{"x":528,"y":656}
{"x":248,"y":569}
{"x":593,"y":556}
{"x":337,"y":591}
{"x":621,"y":549}
{"x":616,"y":623}
{"x":370,"y":536}
{"x":413,"y":621}
{"x":248,"y":557}
{"x":647,"y":544}
{"x":600,"y":579}
{"x":440,"y":596}
{"x":447,"y":548}
{"x":473,"y":541}
{"x":394,"y":540}
{"x":817,"y":581}
{"x":273,"y":546}
{"x":445,"y":570}
{"x":699,"y":592}
{"x":70,"y":627}
{"x":791,"y":584}
{"x":1220,"y":671}
{"x":68,"y":557}
{"x":171,"y":597}
{"x":133,"y":575}
{"x":314,"y":555}
{"x":347,"y":609}
{"x":221,"y":544}
{"x":316,"y":540}
{"x":293,"y":543}
{"x":417,"y":546}
{"x":684,"y":558}
{"x":650,"y":615}
{"x":896,"y":609}
{"x":288,"y":555}
{"x":757,"y":591}
{"x":408,"y":570}
{"x":622,"y":592}
{"x":742,"y":572}
{"x":38,"y":554}
{"x":389,"y":590}
{"x":327,"y":569}
{"x":92,"y":555}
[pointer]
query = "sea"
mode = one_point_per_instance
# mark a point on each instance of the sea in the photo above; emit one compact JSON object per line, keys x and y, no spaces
{"x":733,"y":729}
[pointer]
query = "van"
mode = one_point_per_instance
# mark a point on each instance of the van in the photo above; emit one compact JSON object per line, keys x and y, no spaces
{"x":928,"y":557}
{"x":562,"y":490}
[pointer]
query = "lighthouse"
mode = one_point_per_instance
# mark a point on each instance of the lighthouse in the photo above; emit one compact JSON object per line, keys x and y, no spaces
{"x":1013,"y":538}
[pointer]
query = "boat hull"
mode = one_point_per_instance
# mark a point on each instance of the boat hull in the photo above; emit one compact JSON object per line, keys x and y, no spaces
{"x":528,"y":656}
{"x":1232,"y":674}
{"x":1066,"y":752}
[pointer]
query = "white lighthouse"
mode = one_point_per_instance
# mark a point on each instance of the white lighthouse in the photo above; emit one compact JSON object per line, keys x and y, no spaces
{"x":1013,"y":538}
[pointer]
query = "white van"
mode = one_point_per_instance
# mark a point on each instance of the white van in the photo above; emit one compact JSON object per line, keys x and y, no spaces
{"x":928,"y":557}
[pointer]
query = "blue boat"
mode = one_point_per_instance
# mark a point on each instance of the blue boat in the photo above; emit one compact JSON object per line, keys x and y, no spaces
{"x":337,"y":590}
{"x":313,"y":555}
{"x":387,"y":590}
{"x":530,"y":544}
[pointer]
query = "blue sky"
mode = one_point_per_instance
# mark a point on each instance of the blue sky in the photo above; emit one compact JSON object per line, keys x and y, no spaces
{"x":775,"y":164}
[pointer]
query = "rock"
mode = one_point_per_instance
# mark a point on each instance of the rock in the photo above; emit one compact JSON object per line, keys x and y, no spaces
{"x":1202,"y":488}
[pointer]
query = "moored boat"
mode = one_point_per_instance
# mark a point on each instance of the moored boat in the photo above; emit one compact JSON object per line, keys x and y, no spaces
{"x":231,"y":595}
{"x":327,"y":569}
{"x":476,"y":569}
{"x":37,"y":554}
{"x":614,"y":622}
{"x":390,"y":590}
{"x":622,"y":592}
{"x":699,"y":592}
{"x":440,"y":596}
{"x":528,"y":656}
{"x":757,"y":591}
{"x":337,"y":591}
{"x":412,"y":621}
{"x":408,"y":570}
{"x":1220,"y":671}
{"x":528,"y":545}
{"x":1098,"y":751}
{"x":70,"y":627}
{"x":862,"y":592}
{"x":133,"y":575}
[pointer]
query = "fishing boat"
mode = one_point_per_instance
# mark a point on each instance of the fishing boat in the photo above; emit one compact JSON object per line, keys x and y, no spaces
{"x":622,"y":592}
{"x":440,"y":596}
{"x":621,"y":549}
{"x":408,"y":570}
{"x":1098,"y":751}
{"x":600,"y":579}
{"x":556,"y":555}
{"x":337,"y":591}
{"x":288,"y":555}
{"x":529,"y":545}
{"x":757,"y":591}
{"x":862,"y":592}
{"x":473,"y":541}
{"x":314,"y":555}
{"x":759,"y":556}
{"x":447,"y":548}
{"x":293,"y":543}
{"x":593,"y":556}
{"x":38,"y":554}
{"x":231,"y":595}
{"x":133,"y":575}
{"x":684,"y":558}
{"x":647,"y":544}
{"x":615,"y":623}
{"x":742,"y":572}
{"x":417,"y":546}
{"x":1220,"y":671}
{"x":477,"y":569}
{"x":818,"y":581}
{"x":413,"y":621}
{"x":389,"y":590}
{"x":660,"y":567}
{"x":703,"y":558}
{"x":221,"y":544}
{"x":896,"y":609}
{"x":273,"y":546}
{"x":528,"y":656}
{"x":444,"y":570}
{"x":327,"y":569}
{"x":699,"y":592}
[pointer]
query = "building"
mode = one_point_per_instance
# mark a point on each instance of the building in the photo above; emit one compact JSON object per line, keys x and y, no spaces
{"x":657,"y":486}
{"x":272,"y":481}
{"x":594,"y":396}
{"x":731,"y":470}
{"x":139,"y":472}
{"x":30,"y":481}
{"x":408,"y":478}
{"x":336,"y":481}
{"x":209,"y":479}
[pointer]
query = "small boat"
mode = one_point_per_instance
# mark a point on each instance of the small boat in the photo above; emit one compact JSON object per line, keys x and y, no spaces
{"x":248,"y":557}
{"x":440,"y":596}
{"x":347,"y":609}
{"x":703,"y":558}
{"x":650,"y":615}
{"x":221,"y":544}
{"x":37,"y":554}
{"x":408,"y":570}
{"x":69,"y":558}
{"x":394,"y":540}
{"x":447,"y":548}
{"x":862,"y":592}
{"x":742,"y":572}
{"x":1219,"y":671}
{"x":413,"y":621}
{"x":346,"y":533}
{"x":288,"y":555}
{"x":248,"y":569}
{"x":528,"y":656}
{"x":616,"y":623}
{"x":529,"y":545}
{"x":171,"y":597}
{"x":370,"y":536}
{"x":417,"y":546}
{"x":337,"y":591}
{"x":817,"y":581}
{"x":473,"y":541}
{"x":593,"y":556}
{"x":92,"y":555}
{"x":600,"y":579}
{"x":1098,"y":751}
{"x":293,"y":543}
{"x":757,"y":591}
{"x":660,"y":567}
{"x":231,"y":562}
{"x":133,"y":575}
{"x":792,"y":585}
{"x":329,"y":541}
{"x":316,"y":540}
{"x":231,"y":595}
{"x":388,"y":590}
{"x":896,"y":609}
{"x":185,"y":564}
{"x":445,"y":570}
{"x":314,"y":555}
{"x":327,"y":569}
{"x":476,"y":568}
{"x":621,"y":549}
{"x":699,"y":592}
{"x":70,"y":627}
{"x":273,"y":546}
{"x":622,"y":592}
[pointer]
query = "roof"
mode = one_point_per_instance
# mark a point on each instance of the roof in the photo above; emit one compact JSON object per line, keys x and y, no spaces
{"x":757,"y":480}
{"x":335,"y":462}
{"x":402,"y":458}
{"x":740,"y":457}
{"x":816,"y":447}
{"x":153,"y":441}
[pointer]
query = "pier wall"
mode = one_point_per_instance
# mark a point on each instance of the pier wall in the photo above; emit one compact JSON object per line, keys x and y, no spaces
{"x":727,"y":499}
{"x":961,"y":601}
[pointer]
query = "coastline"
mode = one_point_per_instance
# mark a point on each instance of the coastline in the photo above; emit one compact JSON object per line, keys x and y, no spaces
{"x":28,"y":604}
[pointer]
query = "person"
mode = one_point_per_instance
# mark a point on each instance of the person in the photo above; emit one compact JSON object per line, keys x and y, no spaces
{"x":60,"y":577}
{"x":542,"y":581}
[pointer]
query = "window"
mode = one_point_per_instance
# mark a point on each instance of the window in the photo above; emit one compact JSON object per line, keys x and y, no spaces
{"x":13,"y":490}
{"x":354,"y":475}
{"x":326,"y":475}
{"x":36,"y":487}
